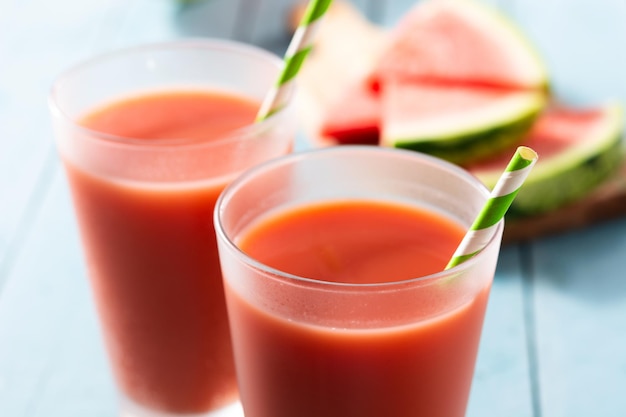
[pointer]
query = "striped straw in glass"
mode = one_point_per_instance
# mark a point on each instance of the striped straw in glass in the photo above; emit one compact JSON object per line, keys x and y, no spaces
{"x":298,"y":49}
{"x":500,"y":199}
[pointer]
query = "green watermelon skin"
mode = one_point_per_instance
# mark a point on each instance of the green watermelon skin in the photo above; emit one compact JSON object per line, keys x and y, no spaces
{"x":457,"y":123}
{"x":564,"y":189}
{"x":474,"y":147}
{"x":578,"y":149}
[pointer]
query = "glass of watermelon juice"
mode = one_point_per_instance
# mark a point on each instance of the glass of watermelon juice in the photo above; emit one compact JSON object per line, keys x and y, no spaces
{"x":149,"y":137}
{"x":338,"y":303}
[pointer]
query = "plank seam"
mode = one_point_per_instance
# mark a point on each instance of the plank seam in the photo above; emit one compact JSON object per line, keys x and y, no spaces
{"x":245,"y":22}
{"x":27,"y":220}
{"x":528,"y":296}
{"x":375,"y":11}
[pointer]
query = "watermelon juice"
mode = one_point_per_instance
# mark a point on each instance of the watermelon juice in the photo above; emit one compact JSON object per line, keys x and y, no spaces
{"x":337,"y":302}
{"x":145,"y":171}
{"x":153,"y":260}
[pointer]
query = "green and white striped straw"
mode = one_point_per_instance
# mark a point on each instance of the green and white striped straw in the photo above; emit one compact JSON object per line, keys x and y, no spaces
{"x":502,"y":195}
{"x":298,"y":49}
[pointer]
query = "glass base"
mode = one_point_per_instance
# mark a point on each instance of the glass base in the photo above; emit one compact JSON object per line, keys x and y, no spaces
{"x":128,"y":409}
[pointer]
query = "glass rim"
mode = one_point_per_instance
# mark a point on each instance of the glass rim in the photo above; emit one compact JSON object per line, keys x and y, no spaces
{"x":278,"y":274}
{"x":243,"y":132}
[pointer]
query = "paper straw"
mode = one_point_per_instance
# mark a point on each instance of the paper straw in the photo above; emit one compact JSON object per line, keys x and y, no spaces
{"x":298,"y":49}
{"x":500,"y":199}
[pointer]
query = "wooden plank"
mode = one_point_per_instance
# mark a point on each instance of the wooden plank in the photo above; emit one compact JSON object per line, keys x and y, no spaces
{"x":27,"y":153}
{"x":524,"y":347}
{"x":51,"y":357}
{"x":212,"y":18}
{"x":391,"y":11}
{"x":605,"y":203}
{"x":580,"y":309}
{"x":501,"y":384}
{"x":586,"y":69}
{"x":579,"y":290}
{"x":145,"y":21}
{"x":267,"y":24}
{"x":27,"y":72}
{"x":586,"y":65}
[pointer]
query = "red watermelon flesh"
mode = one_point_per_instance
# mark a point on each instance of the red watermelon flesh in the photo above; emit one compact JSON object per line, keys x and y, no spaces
{"x":459,"y":42}
{"x":354,"y":118}
{"x":415,"y":102}
{"x":452,"y":44}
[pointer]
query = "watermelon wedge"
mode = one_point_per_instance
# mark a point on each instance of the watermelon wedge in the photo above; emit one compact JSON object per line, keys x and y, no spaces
{"x":456,"y":123}
{"x":460,"y":41}
{"x":353,"y":118}
{"x":578,"y":149}
{"x":447,"y":47}
{"x":334,"y":100}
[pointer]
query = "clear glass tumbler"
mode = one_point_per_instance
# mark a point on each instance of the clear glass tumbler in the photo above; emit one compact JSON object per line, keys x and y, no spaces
{"x":309,"y":347}
{"x":144,"y":210}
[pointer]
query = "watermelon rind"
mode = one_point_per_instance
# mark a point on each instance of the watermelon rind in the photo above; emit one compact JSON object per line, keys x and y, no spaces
{"x":571,"y":174}
{"x":472,"y":135}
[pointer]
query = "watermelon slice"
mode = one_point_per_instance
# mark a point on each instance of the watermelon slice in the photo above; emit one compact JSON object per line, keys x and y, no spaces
{"x":456,"y":123}
{"x":460,"y":41}
{"x":578,"y":149}
{"x":354,"y":118}
{"x":334,"y":99}
{"x":445,"y":57}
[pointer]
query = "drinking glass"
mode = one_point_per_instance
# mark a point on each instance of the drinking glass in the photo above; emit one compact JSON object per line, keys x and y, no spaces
{"x":311,"y":347}
{"x":144,"y":209}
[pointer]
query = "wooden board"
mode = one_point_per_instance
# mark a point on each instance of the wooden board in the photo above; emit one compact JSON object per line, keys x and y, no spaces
{"x":607,"y":202}
{"x":345,"y":49}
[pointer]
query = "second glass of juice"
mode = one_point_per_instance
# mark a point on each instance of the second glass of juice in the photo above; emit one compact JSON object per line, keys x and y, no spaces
{"x":149,"y":137}
{"x":339,"y":304}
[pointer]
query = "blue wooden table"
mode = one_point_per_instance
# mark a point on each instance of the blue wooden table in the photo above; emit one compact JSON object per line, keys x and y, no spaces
{"x":554,"y":342}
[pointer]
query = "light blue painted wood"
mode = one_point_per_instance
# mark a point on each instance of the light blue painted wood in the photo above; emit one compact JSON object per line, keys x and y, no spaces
{"x":51,"y":357}
{"x":579,"y":283}
{"x":34,"y":49}
{"x":140,"y":21}
{"x":51,"y":360}
{"x":501,"y":384}
{"x":580,"y":309}
{"x":269,"y":22}
{"x":211,"y":18}
{"x":582,"y":43}
{"x":24,"y":133}
{"x":392,"y":11}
